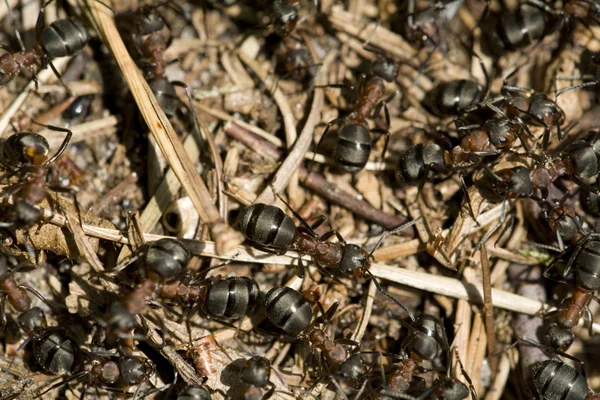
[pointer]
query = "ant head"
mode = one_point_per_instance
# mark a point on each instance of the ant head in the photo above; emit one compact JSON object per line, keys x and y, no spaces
{"x":119,"y":318}
{"x":559,"y":338}
{"x":501,"y":131}
{"x":385,"y":68}
{"x":256,"y":371}
{"x":32,"y":320}
{"x":519,"y":182}
{"x":25,"y":148}
{"x":148,"y":20}
{"x":451,"y":389}
{"x":285,"y":17}
{"x":134,"y":370}
{"x":353,"y":259}
{"x":564,"y":222}
{"x":545,"y":110}
{"x":166,"y":257}
{"x":353,"y":369}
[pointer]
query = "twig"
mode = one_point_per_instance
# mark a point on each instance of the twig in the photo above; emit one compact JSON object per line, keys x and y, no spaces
{"x":364,"y":320}
{"x":319,"y":185}
{"x":488,"y":307}
{"x":163,"y":132}
{"x":43,"y":76}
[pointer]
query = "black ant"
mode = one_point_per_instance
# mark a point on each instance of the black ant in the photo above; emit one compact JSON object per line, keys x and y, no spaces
{"x":270,"y":228}
{"x":161,"y":260}
{"x":426,"y":341}
{"x":125,"y":372}
{"x":16,"y":294}
{"x":531,"y":22}
{"x":64,"y":37}
{"x":229,"y":298}
{"x":352,"y":145}
{"x":25,"y":155}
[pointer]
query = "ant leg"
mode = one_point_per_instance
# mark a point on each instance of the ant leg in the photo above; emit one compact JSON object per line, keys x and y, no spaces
{"x":465,"y":190}
{"x":380,"y":288}
{"x":63,"y":145}
{"x":300,"y":269}
{"x":59,"y":77}
{"x":329,"y":125}
{"x":298,"y":216}
{"x":467,"y":377}
{"x":329,"y":234}
{"x":3,"y":321}
{"x":191,"y":102}
{"x":393,"y":232}
{"x":494,"y":229}
{"x":14,"y":24}
{"x":318,"y":222}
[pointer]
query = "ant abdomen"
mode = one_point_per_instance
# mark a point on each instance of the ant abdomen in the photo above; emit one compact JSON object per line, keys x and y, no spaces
{"x":555,"y":380}
{"x":449,"y":98}
{"x":588,"y":266}
{"x":55,"y":352}
{"x":231,"y":298}
{"x":23,"y":148}
{"x":352,"y":148}
{"x":425,"y":339}
{"x":267,"y":225}
{"x":165,"y":95}
{"x":419,"y":162}
{"x":513,"y":30}
{"x":287,"y":309}
{"x":64,"y":37}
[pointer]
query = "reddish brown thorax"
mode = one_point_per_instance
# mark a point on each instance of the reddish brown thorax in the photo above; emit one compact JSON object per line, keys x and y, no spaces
{"x":569,"y":316}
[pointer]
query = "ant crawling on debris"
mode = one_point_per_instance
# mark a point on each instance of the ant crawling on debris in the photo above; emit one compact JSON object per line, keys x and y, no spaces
{"x":426,"y":340}
{"x":585,"y":259}
{"x":229,"y":298}
{"x":25,"y":155}
{"x":352,"y":145}
{"x":287,"y":309}
{"x":16,"y":294}
{"x":64,"y":37}
{"x":531,"y":22}
{"x":271,"y":229}
{"x":553,"y":379}
{"x":161,"y":260}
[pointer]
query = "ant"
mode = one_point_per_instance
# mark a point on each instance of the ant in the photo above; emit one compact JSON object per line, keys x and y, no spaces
{"x":149,"y":22}
{"x":420,"y":22}
{"x":271,"y":229}
{"x":352,"y":145}
{"x":25,"y":155}
{"x":64,"y":37}
{"x":16,"y":294}
{"x":161,"y":260}
{"x":426,"y":340}
{"x":125,"y":372}
{"x":290,"y":311}
{"x":229,"y":298}
{"x":531,"y":22}
{"x":586,"y":261}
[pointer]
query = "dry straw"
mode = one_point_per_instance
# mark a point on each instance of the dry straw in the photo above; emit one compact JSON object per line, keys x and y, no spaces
{"x":162,"y":130}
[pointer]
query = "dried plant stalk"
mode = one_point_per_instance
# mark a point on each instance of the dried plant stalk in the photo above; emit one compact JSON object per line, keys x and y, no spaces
{"x":163,"y":132}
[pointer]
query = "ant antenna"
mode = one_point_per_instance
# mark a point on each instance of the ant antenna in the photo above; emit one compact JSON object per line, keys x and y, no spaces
{"x":393,"y":232}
